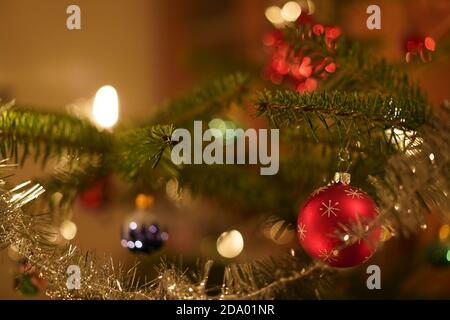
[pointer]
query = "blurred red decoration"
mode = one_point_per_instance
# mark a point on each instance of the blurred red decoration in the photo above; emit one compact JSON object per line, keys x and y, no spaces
{"x":418,"y":46}
{"x":338,"y":225}
{"x":28,"y":281}
{"x":95,"y":195}
{"x":302,"y":67}
{"x":430,"y":44}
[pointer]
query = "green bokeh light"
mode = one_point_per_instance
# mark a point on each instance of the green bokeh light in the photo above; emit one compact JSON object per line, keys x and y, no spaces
{"x":222,"y":126}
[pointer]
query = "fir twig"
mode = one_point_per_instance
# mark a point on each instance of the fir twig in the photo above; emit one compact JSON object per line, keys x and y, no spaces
{"x":365,"y":115}
{"x":48,"y":134}
{"x":204,"y":102}
{"x":141,"y":150}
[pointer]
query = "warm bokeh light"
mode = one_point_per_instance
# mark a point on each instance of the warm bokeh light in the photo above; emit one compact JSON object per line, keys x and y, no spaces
{"x":311,"y":7}
{"x":164,"y":236}
{"x":444,"y":232}
{"x":273,"y":14}
{"x":280,"y":233}
{"x":222,"y":127}
{"x":106,"y":107}
{"x":132,"y":225}
{"x":56,"y":197}
{"x":172,"y":190}
{"x":404,"y":140}
{"x":68,"y":230}
{"x":230,"y":244}
{"x":218,"y":124}
{"x":291,"y":11}
{"x":144,"y":201}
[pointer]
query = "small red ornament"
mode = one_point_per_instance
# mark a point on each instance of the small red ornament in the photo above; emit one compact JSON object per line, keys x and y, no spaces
{"x":95,"y":196}
{"x":338,"y":225}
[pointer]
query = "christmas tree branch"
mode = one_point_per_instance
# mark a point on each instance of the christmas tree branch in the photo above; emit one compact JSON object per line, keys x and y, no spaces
{"x":139,"y":151}
{"x":142,"y":150}
{"x":361,"y":72}
{"x":70,"y":178}
{"x":48,"y":134}
{"x":238,"y":186}
{"x":364,"y":115}
{"x":243,"y":188}
{"x":204,"y":102}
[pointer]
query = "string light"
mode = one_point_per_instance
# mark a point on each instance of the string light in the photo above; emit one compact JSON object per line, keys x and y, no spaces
{"x":106,"y":107}
{"x":68,"y":230}
{"x":291,"y":11}
{"x":164,"y":236}
{"x":132,"y":225}
{"x":230,"y":244}
{"x":273,"y":14}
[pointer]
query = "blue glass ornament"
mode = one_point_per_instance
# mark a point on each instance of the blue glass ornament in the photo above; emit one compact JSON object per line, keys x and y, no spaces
{"x":143,"y":236}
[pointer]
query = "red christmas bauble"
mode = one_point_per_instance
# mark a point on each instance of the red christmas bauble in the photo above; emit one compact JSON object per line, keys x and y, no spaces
{"x":338,"y":225}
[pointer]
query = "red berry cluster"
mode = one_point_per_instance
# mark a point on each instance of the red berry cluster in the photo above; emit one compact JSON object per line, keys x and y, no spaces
{"x":421,"y":47}
{"x":303,"y":67}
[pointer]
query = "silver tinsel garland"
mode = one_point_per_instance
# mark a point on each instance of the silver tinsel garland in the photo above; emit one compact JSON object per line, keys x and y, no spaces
{"x":28,"y":234}
{"x":417,"y":179}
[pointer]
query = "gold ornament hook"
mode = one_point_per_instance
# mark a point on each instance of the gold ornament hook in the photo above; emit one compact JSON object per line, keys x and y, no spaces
{"x":342,"y":177}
